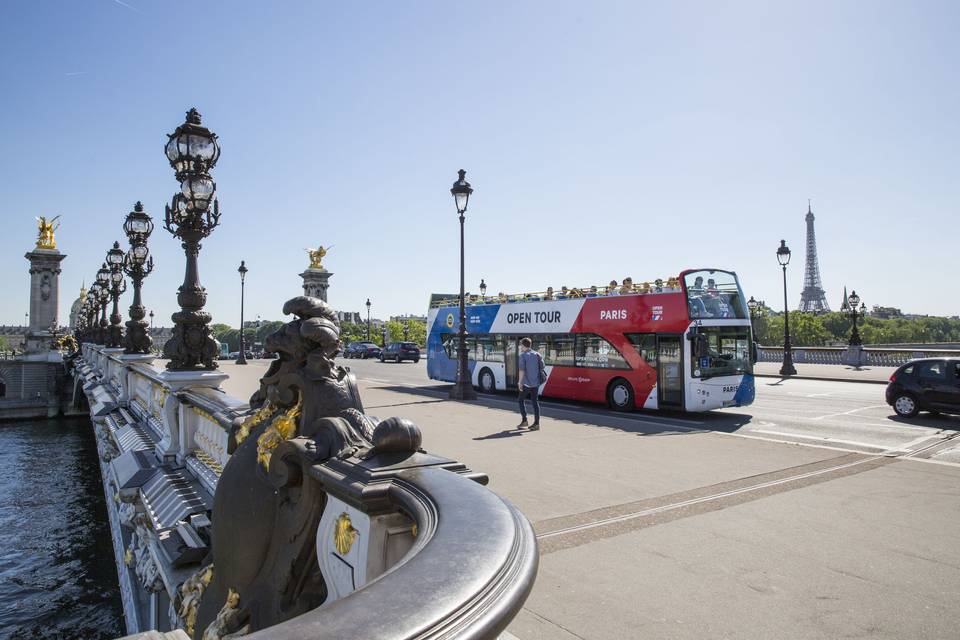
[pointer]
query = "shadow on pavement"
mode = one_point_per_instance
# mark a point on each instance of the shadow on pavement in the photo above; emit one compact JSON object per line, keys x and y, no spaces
{"x":640,"y":422}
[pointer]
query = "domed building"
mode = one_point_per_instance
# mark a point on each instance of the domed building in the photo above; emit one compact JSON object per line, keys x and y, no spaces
{"x":75,"y":307}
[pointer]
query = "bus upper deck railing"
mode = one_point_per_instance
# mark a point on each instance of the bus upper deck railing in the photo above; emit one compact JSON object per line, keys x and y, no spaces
{"x":670,"y":285}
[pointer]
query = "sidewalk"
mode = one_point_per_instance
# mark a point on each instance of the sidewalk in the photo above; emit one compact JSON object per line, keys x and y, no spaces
{"x":832,"y":372}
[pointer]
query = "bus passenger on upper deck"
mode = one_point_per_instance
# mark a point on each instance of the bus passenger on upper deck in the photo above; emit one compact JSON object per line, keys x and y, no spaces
{"x":593,"y":292}
{"x":697,"y":288}
{"x":576,"y":293}
{"x":658,"y":285}
{"x":564,"y":294}
{"x":612,"y":288}
{"x":549,"y":295}
{"x":627,"y":286}
{"x":502,"y":297}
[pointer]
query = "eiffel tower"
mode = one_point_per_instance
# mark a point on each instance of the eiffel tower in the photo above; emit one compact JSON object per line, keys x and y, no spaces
{"x":812,"y":298}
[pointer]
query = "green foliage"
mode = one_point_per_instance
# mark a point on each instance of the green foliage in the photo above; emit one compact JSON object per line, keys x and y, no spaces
{"x":4,"y":345}
{"x":810,"y":330}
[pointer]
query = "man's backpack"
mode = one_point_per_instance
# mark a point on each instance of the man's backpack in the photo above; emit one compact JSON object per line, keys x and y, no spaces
{"x":543,"y":370}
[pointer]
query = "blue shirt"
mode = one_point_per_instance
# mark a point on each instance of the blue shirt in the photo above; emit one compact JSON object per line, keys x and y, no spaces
{"x":530,"y":368}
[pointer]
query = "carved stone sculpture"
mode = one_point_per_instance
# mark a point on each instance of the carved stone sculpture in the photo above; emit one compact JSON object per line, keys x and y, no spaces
{"x":307,"y":410}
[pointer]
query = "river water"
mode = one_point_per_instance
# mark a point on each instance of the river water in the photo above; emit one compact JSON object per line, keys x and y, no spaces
{"x":57,"y":574}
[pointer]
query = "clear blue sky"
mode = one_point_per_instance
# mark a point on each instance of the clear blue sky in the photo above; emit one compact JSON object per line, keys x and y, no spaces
{"x":603,"y":140}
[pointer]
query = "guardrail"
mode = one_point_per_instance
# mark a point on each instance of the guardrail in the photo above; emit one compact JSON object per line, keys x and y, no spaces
{"x":854,"y":356}
{"x":329,"y":523}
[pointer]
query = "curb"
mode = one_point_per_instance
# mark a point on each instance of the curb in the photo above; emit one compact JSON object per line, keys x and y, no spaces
{"x":821,"y":378}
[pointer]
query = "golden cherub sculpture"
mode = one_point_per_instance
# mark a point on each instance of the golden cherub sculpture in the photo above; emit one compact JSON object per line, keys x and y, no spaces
{"x":45,"y":239}
{"x":316,"y":255}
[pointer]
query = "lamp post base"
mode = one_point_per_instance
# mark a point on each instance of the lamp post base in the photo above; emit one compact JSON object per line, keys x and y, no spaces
{"x":241,"y":359}
{"x":462,"y":390}
{"x":788,"y":369}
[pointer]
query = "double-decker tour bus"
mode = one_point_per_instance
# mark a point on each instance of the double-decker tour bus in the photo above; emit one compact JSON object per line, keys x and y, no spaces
{"x":683,"y":344}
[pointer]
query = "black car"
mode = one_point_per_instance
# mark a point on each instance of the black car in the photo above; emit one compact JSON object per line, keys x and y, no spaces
{"x":399,"y":351}
{"x":931,"y":384}
{"x":350,"y":350}
{"x":366,"y":350}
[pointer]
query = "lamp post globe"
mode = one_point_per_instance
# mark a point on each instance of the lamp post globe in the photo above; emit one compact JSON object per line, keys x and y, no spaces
{"x":151,"y":318}
{"x":463,"y":387}
{"x":783,"y":257}
{"x":242,"y":270}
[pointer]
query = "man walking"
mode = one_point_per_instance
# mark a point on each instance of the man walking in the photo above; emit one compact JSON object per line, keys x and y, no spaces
{"x":531,"y":376}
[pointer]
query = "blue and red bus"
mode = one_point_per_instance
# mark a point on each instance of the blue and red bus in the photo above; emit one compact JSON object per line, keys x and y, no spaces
{"x":682,"y":344}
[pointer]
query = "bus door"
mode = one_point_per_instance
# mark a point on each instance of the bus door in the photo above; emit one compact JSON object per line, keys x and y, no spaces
{"x":510,"y":361}
{"x":669,"y":372}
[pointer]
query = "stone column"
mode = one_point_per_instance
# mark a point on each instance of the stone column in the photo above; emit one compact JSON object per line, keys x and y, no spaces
{"x":44,"y":296}
{"x":316,"y":282}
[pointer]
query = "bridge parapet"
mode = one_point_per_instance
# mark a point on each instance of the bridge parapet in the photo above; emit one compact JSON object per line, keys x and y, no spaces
{"x":330,"y":523}
{"x":855,"y":356}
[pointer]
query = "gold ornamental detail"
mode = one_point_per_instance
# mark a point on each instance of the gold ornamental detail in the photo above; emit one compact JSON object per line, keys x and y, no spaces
{"x":344,"y":535}
{"x":281,"y":429}
{"x":316,"y":256}
{"x":190,"y":592}
{"x":226,"y":620}
{"x":45,"y":229}
{"x":253,"y":420}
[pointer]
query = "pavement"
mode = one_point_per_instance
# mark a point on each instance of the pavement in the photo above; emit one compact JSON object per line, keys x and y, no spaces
{"x":830,"y":372}
{"x":813,"y":513}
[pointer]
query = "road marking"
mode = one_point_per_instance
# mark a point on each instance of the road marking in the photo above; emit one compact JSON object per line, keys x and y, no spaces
{"x":906,"y":446}
{"x":694,"y":501}
{"x":847,"y":413}
{"x":854,"y":443}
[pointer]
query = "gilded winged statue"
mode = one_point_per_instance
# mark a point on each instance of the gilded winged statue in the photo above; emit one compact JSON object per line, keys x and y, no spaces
{"x":316,"y":255}
{"x":45,"y":229}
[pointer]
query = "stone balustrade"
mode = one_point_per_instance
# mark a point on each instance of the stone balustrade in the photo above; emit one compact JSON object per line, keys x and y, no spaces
{"x":854,"y":356}
{"x":404,"y":544}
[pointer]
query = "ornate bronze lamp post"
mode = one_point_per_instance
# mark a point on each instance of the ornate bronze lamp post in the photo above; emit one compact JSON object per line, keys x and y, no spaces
{"x":93,"y":303}
{"x":483,"y":290}
{"x":368,"y":319}
{"x":138,"y":263}
{"x":383,"y":335}
{"x":191,"y":216}
{"x":242,"y":270}
{"x":787,"y":369}
{"x":406,"y":330}
{"x":852,"y":301}
{"x":463,"y":387}
{"x":103,"y":297}
{"x":115,"y":258}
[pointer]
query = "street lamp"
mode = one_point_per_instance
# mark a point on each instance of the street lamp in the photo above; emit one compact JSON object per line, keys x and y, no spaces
{"x":242,"y":270}
{"x":115,"y":258}
{"x":138,"y":264}
{"x":852,"y":301}
{"x":406,"y":330}
{"x":383,"y":335}
{"x":93,"y":304}
{"x":753,"y":305}
{"x":783,"y":257}
{"x":483,"y":290}
{"x":368,"y":319}
{"x":192,"y":151}
{"x":463,"y":387}
{"x":151,"y":319}
{"x":104,"y":294}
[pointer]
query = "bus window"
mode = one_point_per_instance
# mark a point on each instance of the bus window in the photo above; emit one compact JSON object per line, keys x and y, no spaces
{"x":728,"y":352}
{"x":560,"y":351}
{"x":714,"y":294}
{"x":594,"y":351}
{"x":646,"y":346}
{"x":450,"y":342}
{"x":489,"y":348}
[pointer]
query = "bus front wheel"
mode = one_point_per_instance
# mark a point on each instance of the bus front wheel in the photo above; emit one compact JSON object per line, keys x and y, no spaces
{"x":488,"y":383}
{"x":620,"y":395}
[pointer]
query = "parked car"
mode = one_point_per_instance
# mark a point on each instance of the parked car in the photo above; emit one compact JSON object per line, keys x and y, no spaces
{"x":930,"y":384}
{"x":350,"y":350}
{"x":367,"y":350}
{"x":399,"y":351}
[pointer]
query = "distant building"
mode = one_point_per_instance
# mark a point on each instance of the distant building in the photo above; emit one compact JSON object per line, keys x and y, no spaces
{"x":350,"y":316}
{"x":409,"y":318}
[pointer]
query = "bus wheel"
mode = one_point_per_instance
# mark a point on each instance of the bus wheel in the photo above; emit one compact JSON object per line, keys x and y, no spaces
{"x":620,"y":395}
{"x":488,"y":383}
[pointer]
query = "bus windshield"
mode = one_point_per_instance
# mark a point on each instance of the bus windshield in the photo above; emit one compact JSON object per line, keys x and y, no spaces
{"x":713,"y":294}
{"x":728,"y":352}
